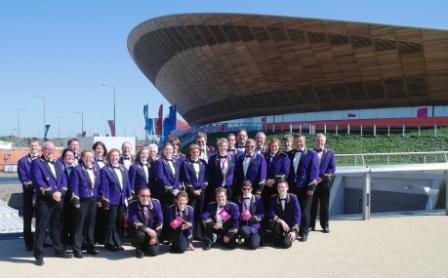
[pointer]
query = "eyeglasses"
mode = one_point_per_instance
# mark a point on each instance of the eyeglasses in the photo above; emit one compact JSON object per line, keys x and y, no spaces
{"x":246,"y":188}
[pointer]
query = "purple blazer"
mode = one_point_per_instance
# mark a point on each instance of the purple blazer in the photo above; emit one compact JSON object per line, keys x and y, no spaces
{"x":45,"y":184}
{"x":110,"y":189}
{"x":24,"y":171}
{"x":256,"y":172}
{"x":137,"y":176}
{"x":165,"y":178}
{"x":307,"y":170}
{"x":232,"y":224}
{"x":188,"y":175}
{"x":292,"y":213}
{"x":256,"y":210}
{"x":80,"y":184}
{"x":279,"y":167}
{"x":188,"y":216}
{"x":137,"y":217}
{"x":327,"y":166}
{"x":215,"y":176}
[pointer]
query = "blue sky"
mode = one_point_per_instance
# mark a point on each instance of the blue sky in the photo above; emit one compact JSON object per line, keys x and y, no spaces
{"x":64,"y":50}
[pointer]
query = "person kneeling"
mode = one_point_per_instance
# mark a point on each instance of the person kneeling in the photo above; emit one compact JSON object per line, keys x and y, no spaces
{"x":146,"y":218}
{"x":252,"y":212}
{"x":221,"y":220}
{"x":284,"y":216}
{"x":180,"y":217}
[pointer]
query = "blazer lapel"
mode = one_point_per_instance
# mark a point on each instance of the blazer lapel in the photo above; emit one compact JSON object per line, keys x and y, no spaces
{"x":117,"y":180}
{"x":87,"y":177}
{"x":324,"y":157}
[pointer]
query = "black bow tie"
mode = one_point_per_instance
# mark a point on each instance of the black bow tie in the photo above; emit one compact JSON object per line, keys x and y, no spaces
{"x":221,"y":207}
{"x":116,"y":167}
{"x":126,"y":158}
{"x":284,"y":199}
{"x":87,"y":168}
{"x":246,"y":198}
{"x":169,"y":159}
{"x":248,"y":155}
{"x":299,"y":151}
{"x":99,"y":159}
{"x":50,"y":161}
{"x":195,"y":161}
{"x":222,"y":156}
{"x":319,"y":150}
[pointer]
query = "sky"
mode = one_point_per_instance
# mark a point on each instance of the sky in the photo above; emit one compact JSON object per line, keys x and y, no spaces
{"x":64,"y":50}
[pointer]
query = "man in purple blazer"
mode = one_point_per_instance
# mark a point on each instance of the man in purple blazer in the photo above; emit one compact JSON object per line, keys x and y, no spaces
{"x":83,"y":185}
{"x":220,"y":171}
{"x":251,"y":214}
{"x":250,"y":166}
{"x":206,"y":151}
{"x":221,"y":219}
{"x":24,"y":173}
{"x":49,"y":183}
{"x":167,"y":175}
{"x":284,"y":216}
{"x":146,"y":221}
{"x":126,"y":157}
{"x":327,"y":169}
{"x":303,"y":179}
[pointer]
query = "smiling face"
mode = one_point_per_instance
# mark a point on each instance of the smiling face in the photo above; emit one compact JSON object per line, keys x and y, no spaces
{"x":48,"y":150}
{"x":34,"y":148}
{"x":300,"y":142}
{"x":126,"y":149}
{"x":181,"y":202}
{"x":69,"y":158}
{"x":144,"y":155}
{"x":260,"y":139}
{"x":144,"y":196}
{"x":287,"y":145}
{"x":274,"y":147}
{"x":194,"y":154}
{"x":114,"y":157}
{"x":168,"y":151}
{"x":99,"y":151}
{"x":221,"y":198}
{"x":87,"y":159}
{"x":222,"y":147}
{"x":74,"y":146}
{"x":201,"y":142}
{"x":320,"y":141}
{"x":242,"y":137}
{"x":232,"y":141}
{"x":282,"y":188}
{"x":250,"y":147}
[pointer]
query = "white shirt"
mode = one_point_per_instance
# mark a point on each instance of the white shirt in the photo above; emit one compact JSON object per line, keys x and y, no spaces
{"x":218,"y":217}
{"x":100,"y":163}
{"x":91,"y":176}
{"x":171,"y":165}
{"x":127,"y":163}
{"x":283,"y":202}
{"x":203,"y":155}
{"x":145,"y":169}
{"x":52,"y":169}
{"x":196,"y":168}
{"x":296,"y":160}
{"x":120,"y":177}
{"x":246,"y":164}
{"x":319,"y":155}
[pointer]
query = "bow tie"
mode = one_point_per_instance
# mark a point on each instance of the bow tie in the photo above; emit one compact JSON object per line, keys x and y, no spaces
{"x":195,"y":161}
{"x":34,"y":157}
{"x":221,"y":207}
{"x":222,"y":156}
{"x":87,"y":168}
{"x":319,"y":150}
{"x":50,"y":161}
{"x":248,"y":155}
{"x":246,"y":198}
{"x":115,"y":167}
{"x":169,"y":159}
{"x":126,"y":158}
{"x":299,"y":151}
{"x":99,"y":159}
{"x":284,"y":199}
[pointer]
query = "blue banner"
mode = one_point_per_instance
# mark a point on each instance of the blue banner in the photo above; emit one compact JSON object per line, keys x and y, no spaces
{"x":47,"y":128}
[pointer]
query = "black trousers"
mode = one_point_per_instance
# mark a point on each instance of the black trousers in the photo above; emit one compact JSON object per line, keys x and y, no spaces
{"x":114,"y":226}
{"x":221,"y":233}
{"x":179,"y":241}
{"x":251,"y":240}
{"x":67,"y":228}
{"x":100,"y":224}
{"x":305,"y":205}
{"x":49,"y":214}
{"x":84,"y":220}
{"x":197,"y":202}
{"x":279,"y":237}
{"x":28,"y":209}
{"x":321,"y":198}
{"x":141,"y":243}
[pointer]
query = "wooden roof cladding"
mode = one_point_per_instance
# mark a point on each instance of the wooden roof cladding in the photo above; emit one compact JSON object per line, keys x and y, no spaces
{"x":217,"y":67}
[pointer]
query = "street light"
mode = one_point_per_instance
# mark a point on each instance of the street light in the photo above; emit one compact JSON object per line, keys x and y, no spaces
{"x":18,"y":121}
{"x":82,"y":122}
{"x":43,"y":98}
{"x":115,"y":119}
{"x":59,"y":126}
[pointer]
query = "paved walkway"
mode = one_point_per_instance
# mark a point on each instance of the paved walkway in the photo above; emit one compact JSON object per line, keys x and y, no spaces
{"x":408,"y":246}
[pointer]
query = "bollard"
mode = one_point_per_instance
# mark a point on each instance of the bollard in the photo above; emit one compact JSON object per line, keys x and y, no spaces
{"x":366,"y":196}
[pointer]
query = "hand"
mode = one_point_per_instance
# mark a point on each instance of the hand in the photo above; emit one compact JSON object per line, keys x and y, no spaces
{"x":77,"y":206}
{"x":292,"y":235}
{"x":151,"y":233}
{"x":152,"y":240}
{"x":319,"y":180}
{"x":217,"y":226}
{"x":258,"y":192}
{"x":197,"y":192}
{"x":270,"y":182}
{"x":310,"y":192}
{"x":175,"y":192}
{"x":186,"y":225}
{"x":98,"y":204}
{"x":284,"y":226}
{"x":226,"y":239}
{"x":56,"y":196}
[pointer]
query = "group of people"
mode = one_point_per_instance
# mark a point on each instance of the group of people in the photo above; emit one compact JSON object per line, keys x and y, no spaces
{"x":245,"y":192}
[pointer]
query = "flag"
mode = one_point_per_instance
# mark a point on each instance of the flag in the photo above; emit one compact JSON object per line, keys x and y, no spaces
{"x":149,"y":126}
{"x":166,"y":129}
{"x":159,"y":123}
{"x":111,"y":127}
{"x":351,"y":115}
{"x":47,"y":128}
{"x":172,"y":118}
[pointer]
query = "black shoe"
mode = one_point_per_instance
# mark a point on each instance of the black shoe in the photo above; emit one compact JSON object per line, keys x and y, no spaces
{"x":326,"y":230}
{"x":63,"y":254}
{"x":78,"y":254}
{"x":92,"y":252}
{"x":208,"y":245}
{"x":111,"y":248}
{"x":311,"y":229}
{"x":39,"y":260}
{"x":119,"y":248}
{"x":303,"y":238}
{"x":139,"y":254}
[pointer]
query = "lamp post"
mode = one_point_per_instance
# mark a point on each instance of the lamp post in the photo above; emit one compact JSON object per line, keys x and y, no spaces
{"x":115,"y":119}
{"x":59,"y":126}
{"x":43,"y":99}
{"x":82,"y":122}
{"x":18,"y":121}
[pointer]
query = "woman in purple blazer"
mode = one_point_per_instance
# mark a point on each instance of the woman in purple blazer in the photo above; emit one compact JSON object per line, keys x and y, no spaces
{"x":194,"y":178}
{"x":141,"y":173}
{"x":116,"y":193}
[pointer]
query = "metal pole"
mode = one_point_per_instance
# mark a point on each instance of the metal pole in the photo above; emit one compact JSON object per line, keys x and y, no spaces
{"x":435,"y":130}
{"x":361,"y":130}
{"x":336,"y":129}
{"x":290,"y":128}
{"x":446,"y":193}
{"x":403,"y":130}
{"x":419,"y":131}
{"x":325,"y":128}
{"x":348,"y":129}
{"x":374,"y":129}
{"x":366,"y":196}
{"x":388,"y":130}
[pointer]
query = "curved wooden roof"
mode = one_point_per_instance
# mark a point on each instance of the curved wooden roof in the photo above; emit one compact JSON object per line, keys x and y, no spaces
{"x":217,"y":67}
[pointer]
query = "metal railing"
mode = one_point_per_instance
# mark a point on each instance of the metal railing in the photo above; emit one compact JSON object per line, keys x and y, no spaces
{"x":366,"y":159}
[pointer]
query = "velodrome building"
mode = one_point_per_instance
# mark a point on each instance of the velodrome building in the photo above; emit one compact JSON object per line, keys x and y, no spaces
{"x":257,"y":68}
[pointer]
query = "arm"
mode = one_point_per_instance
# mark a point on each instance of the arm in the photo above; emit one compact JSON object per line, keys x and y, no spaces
{"x":297,"y":214}
{"x":314,"y":172}
{"x":73,"y":186}
{"x":158,"y":217}
{"x":262,"y":174}
{"x":104,"y":188}
{"x":39,"y":182}
{"x":235,"y":218}
{"x":132,"y":175}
